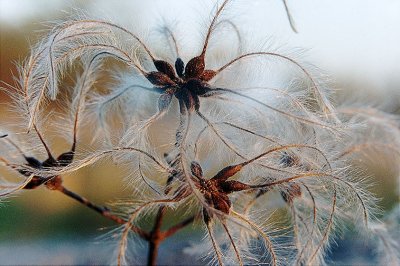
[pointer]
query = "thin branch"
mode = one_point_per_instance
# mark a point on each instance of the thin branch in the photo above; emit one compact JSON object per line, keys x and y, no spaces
{"x":104,"y":211}
{"x":43,"y":142}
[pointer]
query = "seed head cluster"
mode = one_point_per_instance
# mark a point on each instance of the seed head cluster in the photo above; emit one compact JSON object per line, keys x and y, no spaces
{"x":247,"y":143}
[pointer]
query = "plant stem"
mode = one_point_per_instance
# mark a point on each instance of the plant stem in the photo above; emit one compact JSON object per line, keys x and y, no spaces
{"x":104,"y":211}
{"x":156,"y":237}
{"x":153,"y":252}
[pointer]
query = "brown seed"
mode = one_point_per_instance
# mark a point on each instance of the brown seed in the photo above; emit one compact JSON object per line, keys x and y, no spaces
{"x":165,"y":67}
{"x":195,"y":67}
{"x":227,"y":172}
{"x":208,"y":75}
{"x":159,"y":79}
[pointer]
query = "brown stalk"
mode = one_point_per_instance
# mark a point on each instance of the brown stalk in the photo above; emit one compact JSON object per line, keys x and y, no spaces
{"x":155,"y":237}
{"x":155,"y":240}
{"x":56,"y":184}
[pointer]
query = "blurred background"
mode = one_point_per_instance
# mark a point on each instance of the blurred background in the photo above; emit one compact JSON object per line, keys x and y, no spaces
{"x":357,"y":43}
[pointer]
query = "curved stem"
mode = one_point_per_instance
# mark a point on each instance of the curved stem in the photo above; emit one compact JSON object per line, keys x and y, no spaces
{"x":211,"y":27}
{"x":167,"y":31}
{"x":44,"y":143}
{"x":129,"y":223}
{"x":215,"y":246}
{"x":267,"y":240}
{"x":305,"y":120}
{"x":156,"y":235}
{"x":104,"y":211}
{"x":39,"y":98}
{"x":119,"y":149}
{"x":81,"y":100}
{"x":233,"y":244}
{"x":236,"y":151}
{"x":317,"y":93}
{"x":155,"y":239}
{"x":319,"y":174}
{"x":88,"y":21}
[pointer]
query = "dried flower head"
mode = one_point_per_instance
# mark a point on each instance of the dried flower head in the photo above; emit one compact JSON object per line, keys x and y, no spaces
{"x":253,"y":150}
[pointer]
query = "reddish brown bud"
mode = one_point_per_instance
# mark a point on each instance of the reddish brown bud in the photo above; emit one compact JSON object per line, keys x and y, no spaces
{"x":159,"y":79}
{"x":208,"y":75}
{"x":165,"y":67}
{"x":195,"y":67}
{"x":227,"y":172}
{"x":232,"y":186}
{"x":221,"y":202}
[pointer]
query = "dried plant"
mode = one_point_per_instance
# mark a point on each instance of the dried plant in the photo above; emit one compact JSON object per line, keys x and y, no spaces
{"x":254,"y":150}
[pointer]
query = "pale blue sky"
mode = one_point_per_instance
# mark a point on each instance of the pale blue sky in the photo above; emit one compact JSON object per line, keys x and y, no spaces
{"x":356,"y":39}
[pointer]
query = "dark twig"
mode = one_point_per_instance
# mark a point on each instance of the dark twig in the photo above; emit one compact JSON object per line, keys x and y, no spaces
{"x":56,"y":184}
{"x":155,"y":237}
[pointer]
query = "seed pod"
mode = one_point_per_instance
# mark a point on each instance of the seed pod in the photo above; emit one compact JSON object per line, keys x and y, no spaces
{"x":197,"y":87}
{"x":221,"y":202}
{"x":195,"y":67}
{"x":159,"y":79}
{"x":35,"y":163}
{"x":232,"y":186}
{"x":165,"y":68}
{"x":179,"y":66}
{"x":34,"y":182}
{"x":65,"y":158}
{"x":227,"y":172}
{"x":208,"y":75}
{"x":187,"y":98}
